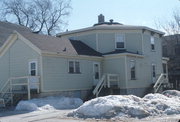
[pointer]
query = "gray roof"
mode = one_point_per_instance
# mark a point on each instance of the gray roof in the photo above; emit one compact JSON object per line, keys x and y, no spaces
{"x":59,"y":45}
{"x":7,"y":28}
{"x":46,"y":43}
{"x":111,"y":27}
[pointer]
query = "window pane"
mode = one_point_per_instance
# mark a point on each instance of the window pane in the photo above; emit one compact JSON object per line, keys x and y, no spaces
{"x":153,"y":71}
{"x":152,"y":47}
{"x":71,"y":67}
{"x":132,"y":68}
{"x":119,"y":44}
{"x":33,"y":65}
{"x":33,"y":72}
{"x":119,"y":41}
{"x":152,"y":43}
{"x":96,"y":70}
{"x":77,"y":67}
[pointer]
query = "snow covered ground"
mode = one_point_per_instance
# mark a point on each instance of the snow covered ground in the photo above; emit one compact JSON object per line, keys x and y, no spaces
{"x":49,"y":103}
{"x":118,"y":106}
{"x":151,"y":108}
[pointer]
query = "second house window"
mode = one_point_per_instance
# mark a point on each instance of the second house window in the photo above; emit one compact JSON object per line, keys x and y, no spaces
{"x":74,"y":67}
{"x":119,"y":41}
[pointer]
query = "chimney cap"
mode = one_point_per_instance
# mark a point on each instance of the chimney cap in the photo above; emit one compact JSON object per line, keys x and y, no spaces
{"x":111,"y":20}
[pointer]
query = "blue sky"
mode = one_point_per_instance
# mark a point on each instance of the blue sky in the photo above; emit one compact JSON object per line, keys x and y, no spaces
{"x":130,"y":12}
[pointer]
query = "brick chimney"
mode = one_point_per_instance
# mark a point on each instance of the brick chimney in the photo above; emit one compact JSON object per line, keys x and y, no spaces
{"x":100,"y":18}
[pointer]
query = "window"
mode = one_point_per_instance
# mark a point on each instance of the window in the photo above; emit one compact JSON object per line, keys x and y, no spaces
{"x":71,"y":67}
{"x":153,"y":71}
{"x":74,"y":67}
{"x":33,"y":68}
{"x":120,"y":41}
{"x":132,"y":70}
{"x":77,"y":67}
{"x":152,"y":43}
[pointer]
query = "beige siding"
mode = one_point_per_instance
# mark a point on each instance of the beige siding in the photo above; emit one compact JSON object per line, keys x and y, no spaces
{"x":142,"y":71}
{"x":153,"y":56}
{"x":14,"y":62}
{"x":106,"y":42}
{"x":133,"y":42}
{"x":116,"y":66}
{"x":20,"y":55}
{"x":57,"y":78}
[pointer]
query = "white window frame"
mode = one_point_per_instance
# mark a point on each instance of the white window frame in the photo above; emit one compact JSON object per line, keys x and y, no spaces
{"x":74,"y":67}
{"x":116,"y":35}
{"x":36,"y":67}
{"x":152,"y":41}
{"x":134,"y":69}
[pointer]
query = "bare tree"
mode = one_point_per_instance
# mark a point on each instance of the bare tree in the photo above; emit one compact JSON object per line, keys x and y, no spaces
{"x":41,"y":16}
{"x":172,"y":26}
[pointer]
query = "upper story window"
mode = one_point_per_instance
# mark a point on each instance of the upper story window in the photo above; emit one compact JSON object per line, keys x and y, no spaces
{"x":120,"y":41}
{"x":74,"y":67}
{"x":152,"y":43}
{"x":133,"y":70}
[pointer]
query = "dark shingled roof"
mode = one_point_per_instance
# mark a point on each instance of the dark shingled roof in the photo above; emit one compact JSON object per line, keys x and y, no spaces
{"x":7,"y":28}
{"x":59,"y":45}
{"x":83,"y":49}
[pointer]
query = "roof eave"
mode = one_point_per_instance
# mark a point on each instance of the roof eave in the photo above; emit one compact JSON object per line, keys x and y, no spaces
{"x":69,"y":55}
{"x":109,"y":28}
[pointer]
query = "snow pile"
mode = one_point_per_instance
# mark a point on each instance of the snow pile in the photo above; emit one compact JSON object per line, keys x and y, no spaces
{"x":130,"y":106}
{"x":49,"y":103}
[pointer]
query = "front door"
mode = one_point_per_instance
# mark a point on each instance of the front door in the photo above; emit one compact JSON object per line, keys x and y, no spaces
{"x":96,"y":72}
{"x":33,"y":73}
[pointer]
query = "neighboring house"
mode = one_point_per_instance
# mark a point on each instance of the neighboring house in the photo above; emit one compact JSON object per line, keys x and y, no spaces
{"x":124,"y":59}
{"x":171,"y":49}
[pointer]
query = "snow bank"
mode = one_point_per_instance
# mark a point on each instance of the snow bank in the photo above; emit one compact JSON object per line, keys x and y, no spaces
{"x":130,"y":106}
{"x":49,"y":103}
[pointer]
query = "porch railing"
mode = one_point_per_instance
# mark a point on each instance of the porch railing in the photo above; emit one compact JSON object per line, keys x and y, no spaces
{"x":15,"y":85}
{"x":106,"y":80}
{"x":163,"y":78}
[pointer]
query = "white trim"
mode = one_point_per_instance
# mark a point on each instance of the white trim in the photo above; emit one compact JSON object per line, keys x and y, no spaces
{"x":126,"y":71}
{"x":41,"y":73}
{"x":124,"y":39}
{"x":123,"y":54}
{"x":107,"y":27}
{"x":54,"y":54}
{"x":11,"y":39}
{"x":36,"y":66}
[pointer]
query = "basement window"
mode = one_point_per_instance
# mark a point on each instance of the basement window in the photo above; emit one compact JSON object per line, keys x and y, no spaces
{"x":74,"y":67}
